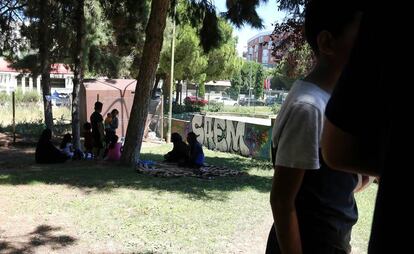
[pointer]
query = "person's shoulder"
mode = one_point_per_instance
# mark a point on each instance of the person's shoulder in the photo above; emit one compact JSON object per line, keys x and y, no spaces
{"x":308,"y":95}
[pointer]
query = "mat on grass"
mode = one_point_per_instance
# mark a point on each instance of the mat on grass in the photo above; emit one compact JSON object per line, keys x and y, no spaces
{"x":163,"y":169}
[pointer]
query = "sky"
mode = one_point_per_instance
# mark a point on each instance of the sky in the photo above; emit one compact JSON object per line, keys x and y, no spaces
{"x":267,"y":11}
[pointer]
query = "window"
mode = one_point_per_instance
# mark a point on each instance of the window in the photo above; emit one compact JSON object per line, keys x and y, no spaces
{"x":19,"y":81}
{"x":34,"y":83}
{"x":265,"y":56}
{"x":57,"y":83}
{"x":270,"y":45}
{"x":260,"y":39}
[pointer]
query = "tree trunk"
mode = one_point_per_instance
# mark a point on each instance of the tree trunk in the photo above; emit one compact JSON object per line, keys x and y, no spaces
{"x":150,"y":58}
{"x":79,"y":21}
{"x":166,"y":87}
{"x":44,"y":45}
{"x":154,"y":89}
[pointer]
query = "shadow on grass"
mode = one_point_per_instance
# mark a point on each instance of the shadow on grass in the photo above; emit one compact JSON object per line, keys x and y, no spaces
{"x":17,"y":167}
{"x":43,"y":235}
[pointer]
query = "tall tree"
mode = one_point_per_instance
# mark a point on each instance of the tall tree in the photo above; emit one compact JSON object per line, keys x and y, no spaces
{"x":223,"y":61}
{"x":78,"y":50}
{"x":236,"y":84}
{"x":150,"y":59}
{"x":11,"y":14}
{"x":44,"y":40}
{"x":193,"y":64}
{"x":46,"y":34}
{"x":189,"y":61}
{"x":291,"y":52}
{"x":259,"y":81}
{"x":125,"y":22}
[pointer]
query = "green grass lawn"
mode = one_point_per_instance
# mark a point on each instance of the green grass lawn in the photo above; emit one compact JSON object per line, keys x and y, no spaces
{"x":98,"y":207}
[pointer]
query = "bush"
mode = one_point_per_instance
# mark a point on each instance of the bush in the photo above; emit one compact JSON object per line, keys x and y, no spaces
{"x":215,"y":107}
{"x":194,"y":105}
{"x":178,"y":109}
{"x":276,"y":108}
{"x":4,"y":98}
{"x":31,"y":97}
{"x":27,"y":97}
{"x":33,"y":129}
{"x":192,"y":108}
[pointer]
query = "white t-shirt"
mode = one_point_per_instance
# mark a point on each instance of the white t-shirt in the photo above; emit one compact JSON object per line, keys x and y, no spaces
{"x":298,"y":126}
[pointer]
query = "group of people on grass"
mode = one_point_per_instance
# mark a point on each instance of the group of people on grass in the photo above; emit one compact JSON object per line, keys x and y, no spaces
{"x":100,"y":141}
{"x":186,"y":155}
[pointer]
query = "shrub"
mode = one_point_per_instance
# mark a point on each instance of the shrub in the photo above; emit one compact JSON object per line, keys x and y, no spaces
{"x":215,"y":107}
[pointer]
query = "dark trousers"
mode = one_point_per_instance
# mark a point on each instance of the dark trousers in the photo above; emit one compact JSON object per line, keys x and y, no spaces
{"x":308,"y":247}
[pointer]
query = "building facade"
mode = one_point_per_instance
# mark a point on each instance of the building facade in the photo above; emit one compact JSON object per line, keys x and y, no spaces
{"x":11,"y":79}
{"x":259,"y":49}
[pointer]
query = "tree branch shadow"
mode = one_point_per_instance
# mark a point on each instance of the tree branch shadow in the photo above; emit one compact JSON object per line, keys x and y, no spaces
{"x":43,"y":235}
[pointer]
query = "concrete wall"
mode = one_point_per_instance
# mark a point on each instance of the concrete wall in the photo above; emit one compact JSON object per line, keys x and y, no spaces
{"x":246,"y":139}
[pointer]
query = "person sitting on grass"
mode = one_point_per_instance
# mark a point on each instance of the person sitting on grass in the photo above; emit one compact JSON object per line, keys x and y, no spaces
{"x":114,"y":149}
{"x":46,"y":152}
{"x":196,"y":159}
{"x":66,"y":146}
{"x":180,"y":151}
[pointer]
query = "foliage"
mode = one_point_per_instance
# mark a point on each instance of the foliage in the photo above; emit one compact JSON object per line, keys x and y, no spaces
{"x":251,"y":76}
{"x":215,"y":107}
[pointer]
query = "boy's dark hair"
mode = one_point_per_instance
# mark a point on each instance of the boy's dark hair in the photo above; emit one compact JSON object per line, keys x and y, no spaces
{"x":67,"y":138}
{"x":329,"y":15}
{"x":87,"y":126}
{"x":175,"y":137}
{"x":192,"y":137}
{"x":98,"y":105}
{"x":46,"y":136}
{"x":114,"y":111}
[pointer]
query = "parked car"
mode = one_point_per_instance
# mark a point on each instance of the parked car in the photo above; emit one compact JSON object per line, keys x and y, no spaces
{"x":195,"y":100}
{"x":60,"y":99}
{"x":270,"y":100}
{"x":225,"y":101}
{"x":253,"y":102}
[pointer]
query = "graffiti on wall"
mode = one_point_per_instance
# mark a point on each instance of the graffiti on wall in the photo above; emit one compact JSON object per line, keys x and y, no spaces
{"x":246,"y":139}
{"x":258,"y":140}
{"x":220,"y":134}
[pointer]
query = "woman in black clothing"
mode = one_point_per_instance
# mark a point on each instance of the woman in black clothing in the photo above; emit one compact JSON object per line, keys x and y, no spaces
{"x":46,"y":152}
